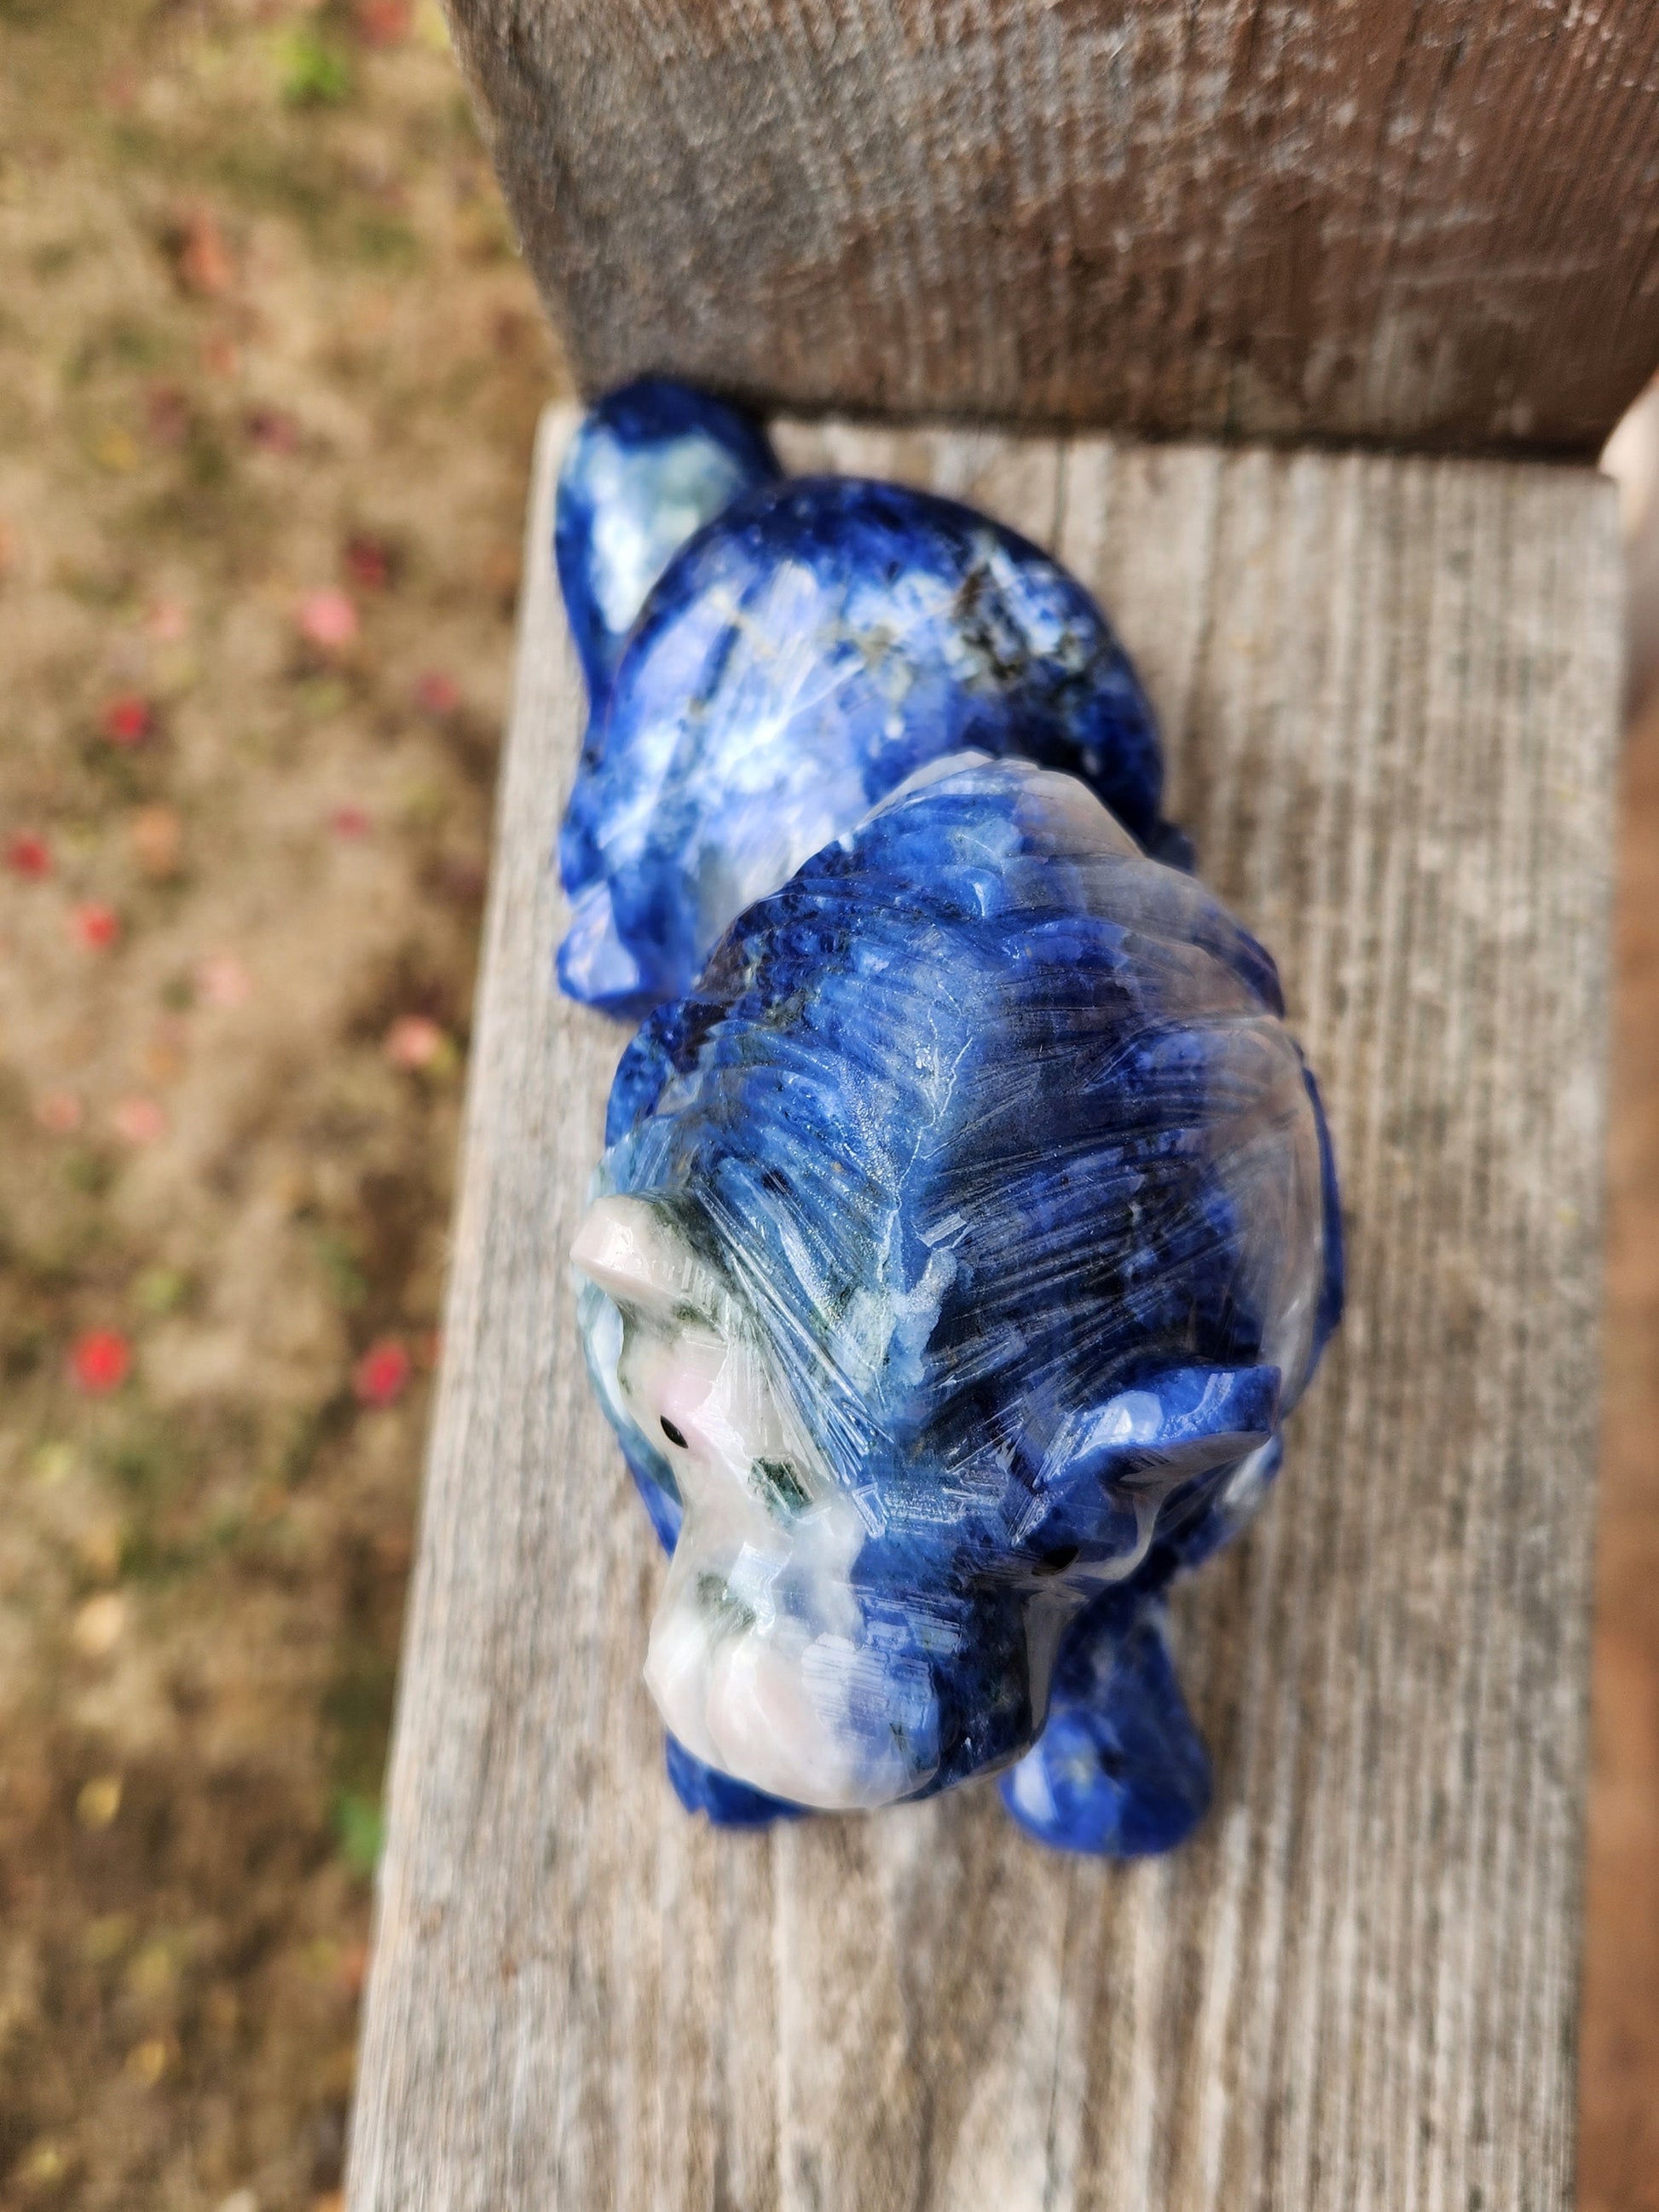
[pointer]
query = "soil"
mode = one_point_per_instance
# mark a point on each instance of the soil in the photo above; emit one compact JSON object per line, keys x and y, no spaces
{"x":268,"y":373}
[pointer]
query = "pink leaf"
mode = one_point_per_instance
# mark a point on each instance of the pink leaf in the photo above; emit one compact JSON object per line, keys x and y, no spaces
{"x":437,"y":692}
{"x":168,"y":622}
{"x":138,"y":1120}
{"x":60,"y":1112}
{"x":95,"y":926}
{"x":328,"y":620}
{"x":414,"y":1041}
{"x":222,"y":980}
{"x":201,"y":259}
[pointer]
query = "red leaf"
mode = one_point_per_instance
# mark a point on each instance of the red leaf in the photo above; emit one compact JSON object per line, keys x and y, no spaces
{"x":97,"y":927}
{"x":382,"y":1376}
{"x":271,"y":427}
{"x":368,"y":562}
{"x":100,"y":1361}
{"x":30,"y":856}
{"x":382,"y":23}
{"x":201,"y":256}
{"x":128,"y":720}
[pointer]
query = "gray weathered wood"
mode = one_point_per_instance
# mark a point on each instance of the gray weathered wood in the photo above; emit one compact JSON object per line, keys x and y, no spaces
{"x":1389,"y":690}
{"x":1371,"y":219}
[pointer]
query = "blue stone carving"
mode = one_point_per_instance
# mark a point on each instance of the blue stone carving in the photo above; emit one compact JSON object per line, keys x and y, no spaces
{"x":796,"y":660}
{"x":646,"y":470}
{"x":962,"y":1238}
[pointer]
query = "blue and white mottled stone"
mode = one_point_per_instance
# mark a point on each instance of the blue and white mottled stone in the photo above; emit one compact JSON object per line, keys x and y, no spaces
{"x":797,"y":660}
{"x":962,"y":1239}
{"x":646,"y":470}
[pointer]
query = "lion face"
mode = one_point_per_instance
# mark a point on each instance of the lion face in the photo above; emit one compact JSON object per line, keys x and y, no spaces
{"x":761,"y":1659}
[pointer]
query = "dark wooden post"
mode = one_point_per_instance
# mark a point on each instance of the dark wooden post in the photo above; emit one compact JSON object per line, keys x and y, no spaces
{"x":1433,"y":226}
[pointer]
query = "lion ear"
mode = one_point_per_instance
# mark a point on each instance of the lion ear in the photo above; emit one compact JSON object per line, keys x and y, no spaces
{"x":624,"y":1247}
{"x":1110,"y":1466}
{"x":1176,"y":1426}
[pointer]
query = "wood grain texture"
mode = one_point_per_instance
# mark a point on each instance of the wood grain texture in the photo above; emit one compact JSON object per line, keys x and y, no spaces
{"x":1371,"y":220}
{"x":1389,"y":690}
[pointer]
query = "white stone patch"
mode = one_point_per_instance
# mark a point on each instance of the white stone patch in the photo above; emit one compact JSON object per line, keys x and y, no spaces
{"x":757,"y":1659}
{"x":645,"y":506}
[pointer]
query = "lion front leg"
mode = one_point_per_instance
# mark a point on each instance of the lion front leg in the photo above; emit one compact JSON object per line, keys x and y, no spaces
{"x":726,"y":1803}
{"x":1119,"y":1769}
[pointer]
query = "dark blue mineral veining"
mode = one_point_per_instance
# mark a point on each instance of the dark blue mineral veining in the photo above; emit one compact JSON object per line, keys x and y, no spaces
{"x":1119,"y":1768}
{"x":796,"y":660}
{"x":991,"y":1127}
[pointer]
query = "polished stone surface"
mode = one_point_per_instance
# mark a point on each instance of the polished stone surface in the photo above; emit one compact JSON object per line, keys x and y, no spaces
{"x":795,"y":662}
{"x":962,"y":1239}
{"x":648,"y":467}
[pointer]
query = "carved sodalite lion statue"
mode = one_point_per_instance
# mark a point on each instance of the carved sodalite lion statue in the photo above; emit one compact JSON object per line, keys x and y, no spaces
{"x":963,"y":1238}
{"x":964,"y":1233}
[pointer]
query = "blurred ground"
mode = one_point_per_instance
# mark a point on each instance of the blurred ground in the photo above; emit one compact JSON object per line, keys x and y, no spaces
{"x":1618,"y":2162}
{"x":269,"y":372}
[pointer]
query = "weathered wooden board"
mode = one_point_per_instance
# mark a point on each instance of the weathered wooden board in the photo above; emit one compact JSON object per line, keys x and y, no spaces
{"x":1390,"y":691}
{"x":1367,"y":219}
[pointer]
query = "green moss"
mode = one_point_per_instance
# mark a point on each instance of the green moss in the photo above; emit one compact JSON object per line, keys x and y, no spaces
{"x":124,"y":342}
{"x":342,"y":1269}
{"x":57,"y":254}
{"x":145,"y":1465}
{"x":88,"y":1171}
{"x":360,"y":1832}
{"x":312,"y":72}
{"x":22,"y":1351}
{"x":356,"y":1712}
{"x":307,"y":1433}
{"x":385,"y":241}
{"x":207,"y":459}
{"x":267,"y":179}
{"x":160,"y":1290}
